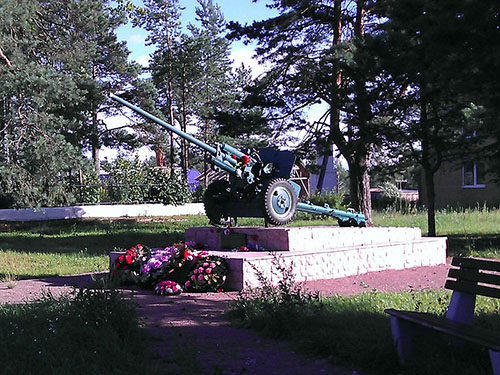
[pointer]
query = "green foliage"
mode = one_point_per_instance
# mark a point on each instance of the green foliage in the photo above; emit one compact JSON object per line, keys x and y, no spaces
{"x":330,"y":198}
{"x":131,"y":180}
{"x":58,"y":59}
{"x":127,"y":180}
{"x":91,"y":190}
{"x":169,"y":189}
{"x":353,"y":330}
{"x":274,"y":308}
{"x":85,"y":333}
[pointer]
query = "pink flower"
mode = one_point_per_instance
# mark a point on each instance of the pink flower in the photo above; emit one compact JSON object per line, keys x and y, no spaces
{"x":200,"y":270}
{"x":205,"y":264}
{"x":187,"y":284}
{"x":196,"y":270}
{"x":208,"y":270}
{"x":200,"y":277}
{"x":213,"y":265}
{"x":193,"y":277}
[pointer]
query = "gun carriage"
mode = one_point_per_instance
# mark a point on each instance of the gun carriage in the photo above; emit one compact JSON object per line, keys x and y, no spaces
{"x":259,"y":183}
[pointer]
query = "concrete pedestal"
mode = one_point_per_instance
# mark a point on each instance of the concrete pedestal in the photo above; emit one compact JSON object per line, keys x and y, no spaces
{"x":318,"y":252}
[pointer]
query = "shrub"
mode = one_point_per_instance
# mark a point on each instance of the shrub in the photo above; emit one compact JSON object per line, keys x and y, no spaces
{"x":331,"y":198}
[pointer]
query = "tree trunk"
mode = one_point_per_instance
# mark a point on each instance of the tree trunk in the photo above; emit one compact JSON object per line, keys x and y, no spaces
{"x":170,"y":99}
{"x":364,"y":195}
{"x":431,"y":205}
{"x":96,"y":157}
{"x":160,"y":157}
{"x":96,"y":147}
{"x":359,"y":184}
{"x":322,"y":172}
{"x":184,"y":146}
{"x":335,"y":106}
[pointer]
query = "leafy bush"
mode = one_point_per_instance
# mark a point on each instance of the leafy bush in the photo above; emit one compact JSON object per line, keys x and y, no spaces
{"x":131,"y":180}
{"x":330,"y":198}
{"x":91,"y":190}
{"x":274,"y":309}
{"x":167,"y":189}
{"x":92,"y":332}
{"x":127,"y":180}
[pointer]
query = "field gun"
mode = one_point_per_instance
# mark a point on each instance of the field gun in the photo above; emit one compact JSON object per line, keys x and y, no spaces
{"x":259,"y":183}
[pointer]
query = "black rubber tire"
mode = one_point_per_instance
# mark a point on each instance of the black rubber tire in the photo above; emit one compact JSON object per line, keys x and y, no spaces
{"x":344,"y":224}
{"x":280,"y":201}
{"x":215,"y":195}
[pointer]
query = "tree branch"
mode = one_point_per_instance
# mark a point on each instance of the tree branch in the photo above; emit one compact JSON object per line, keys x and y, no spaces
{"x":5,"y":59}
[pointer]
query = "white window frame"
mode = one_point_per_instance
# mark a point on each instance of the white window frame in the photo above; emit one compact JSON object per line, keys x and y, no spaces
{"x":474,"y":185}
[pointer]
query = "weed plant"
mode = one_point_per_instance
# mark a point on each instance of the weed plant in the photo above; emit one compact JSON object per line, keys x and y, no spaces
{"x":92,"y":332}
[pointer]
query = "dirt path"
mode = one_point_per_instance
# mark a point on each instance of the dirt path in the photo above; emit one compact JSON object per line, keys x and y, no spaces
{"x":189,"y":321}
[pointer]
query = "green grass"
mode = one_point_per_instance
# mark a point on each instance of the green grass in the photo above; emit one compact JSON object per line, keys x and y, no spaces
{"x":355,"y":332}
{"x":351,"y":330}
{"x":96,"y":332}
{"x":63,"y":247}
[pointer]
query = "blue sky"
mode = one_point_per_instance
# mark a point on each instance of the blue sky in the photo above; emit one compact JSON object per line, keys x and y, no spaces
{"x":243,"y":11}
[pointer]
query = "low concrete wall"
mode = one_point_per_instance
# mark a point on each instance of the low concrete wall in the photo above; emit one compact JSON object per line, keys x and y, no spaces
{"x":100,"y":211}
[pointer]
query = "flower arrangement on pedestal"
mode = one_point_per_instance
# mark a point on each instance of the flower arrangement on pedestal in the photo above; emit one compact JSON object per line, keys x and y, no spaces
{"x":208,"y":275}
{"x":127,"y":267}
{"x":167,"y":269}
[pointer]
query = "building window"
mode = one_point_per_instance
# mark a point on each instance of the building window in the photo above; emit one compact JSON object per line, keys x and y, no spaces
{"x":473,"y":175}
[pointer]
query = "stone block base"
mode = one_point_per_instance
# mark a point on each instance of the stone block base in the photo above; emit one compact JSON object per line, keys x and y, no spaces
{"x":333,"y":263}
{"x":317,"y":253}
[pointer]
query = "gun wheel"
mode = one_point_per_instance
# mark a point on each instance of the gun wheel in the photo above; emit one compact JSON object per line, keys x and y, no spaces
{"x":280,"y":201}
{"x":351,"y":223}
{"x":215,"y":197}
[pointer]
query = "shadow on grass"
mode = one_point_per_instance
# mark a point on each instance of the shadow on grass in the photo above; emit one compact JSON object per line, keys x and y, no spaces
{"x":92,"y":244}
{"x":473,"y":243}
{"x":93,"y":237}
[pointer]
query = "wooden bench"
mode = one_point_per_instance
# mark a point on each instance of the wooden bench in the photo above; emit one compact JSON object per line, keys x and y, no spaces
{"x":467,"y":278}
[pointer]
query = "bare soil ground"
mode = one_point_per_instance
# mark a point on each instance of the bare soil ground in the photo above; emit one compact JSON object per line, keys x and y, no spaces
{"x":194,"y":323}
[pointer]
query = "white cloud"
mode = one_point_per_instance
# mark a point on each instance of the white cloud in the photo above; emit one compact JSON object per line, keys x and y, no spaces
{"x":136,"y":38}
{"x":246,"y":56}
{"x":143,"y":60}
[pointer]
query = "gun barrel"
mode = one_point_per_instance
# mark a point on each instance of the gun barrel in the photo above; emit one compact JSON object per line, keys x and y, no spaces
{"x":170,"y":127}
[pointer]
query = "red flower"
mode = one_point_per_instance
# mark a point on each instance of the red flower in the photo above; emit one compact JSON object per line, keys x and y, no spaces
{"x":128,"y":259}
{"x":120,"y":258}
{"x":245,"y":159}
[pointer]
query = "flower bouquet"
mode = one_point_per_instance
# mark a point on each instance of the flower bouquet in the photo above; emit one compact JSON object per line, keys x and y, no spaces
{"x":168,"y":288}
{"x":208,"y":275}
{"x":172,"y":263}
{"x":168,"y":268}
{"x":127,"y":267}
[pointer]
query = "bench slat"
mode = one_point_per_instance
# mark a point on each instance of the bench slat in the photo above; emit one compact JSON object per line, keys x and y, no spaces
{"x":484,"y":264}
{"x":465,"y":274}
{"x":472,"y":288}
{"x":462,"y":331}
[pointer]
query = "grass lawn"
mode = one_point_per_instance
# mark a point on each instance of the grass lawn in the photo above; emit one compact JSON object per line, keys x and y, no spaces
{"x":63,"y":247}
{"x":347,"y":330}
